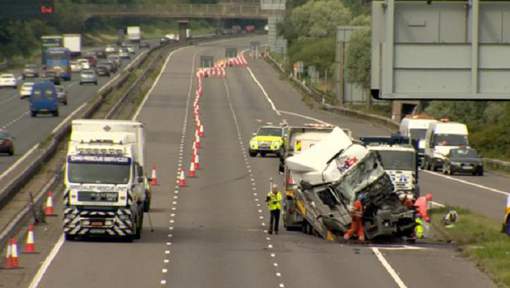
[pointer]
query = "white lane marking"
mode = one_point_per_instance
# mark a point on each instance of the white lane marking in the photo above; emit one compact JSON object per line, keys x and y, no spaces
{"x":60,"y":242}
{"x":16,"y":164}
{"x":388,"y":268}
{"x":468,"y":183}
{"x":46,"y":264}
{"x":108,"y":83}
{"x":135,"y":116}
{"x":8,"y":124}
{"x":264,"y":92}
{"x":305,"y":116}
{"x":11,"y":98}
{"x":273,"y":106}
{"x":69,"y":117}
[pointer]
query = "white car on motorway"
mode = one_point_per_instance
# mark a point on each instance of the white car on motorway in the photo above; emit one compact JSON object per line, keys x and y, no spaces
{"x":26,"y":89}
{"x":84,"y":64}
{"x":75,"y":66}
{"x":8,"y":80}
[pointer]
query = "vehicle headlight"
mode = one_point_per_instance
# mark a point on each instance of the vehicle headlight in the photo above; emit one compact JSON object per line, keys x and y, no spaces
{"x":455,"y":163}
{"x":253,"y":143}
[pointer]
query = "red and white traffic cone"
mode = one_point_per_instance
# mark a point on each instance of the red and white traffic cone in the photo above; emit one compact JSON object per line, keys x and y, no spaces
{"x":182,"y":180}
{"x":154,"y":176}
{"x":30,"y":243}
{"x":201,"y":131}
{"x":11,"y":257}
{"x":197,"y":141}
{"x":8,"y":252}
{"x":197,"y":162}
{"x":192,"y":172}
{"x":49,"y":210}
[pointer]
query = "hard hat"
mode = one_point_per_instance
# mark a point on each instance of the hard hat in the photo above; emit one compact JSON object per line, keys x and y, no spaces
{"x":274,"y":186}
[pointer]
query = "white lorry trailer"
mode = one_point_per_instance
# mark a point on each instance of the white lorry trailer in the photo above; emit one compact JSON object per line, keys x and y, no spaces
{"x":134,"y":34}
{"x":73,"y":43}
{"x":335,"y":172}
{"x":106,"y":187}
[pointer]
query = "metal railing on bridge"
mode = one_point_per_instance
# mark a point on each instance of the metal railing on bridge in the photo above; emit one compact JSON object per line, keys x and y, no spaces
{"x":221,"y":10}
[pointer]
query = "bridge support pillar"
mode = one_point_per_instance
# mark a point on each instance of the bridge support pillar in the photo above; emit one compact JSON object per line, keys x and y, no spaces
{"x":184,"y":30}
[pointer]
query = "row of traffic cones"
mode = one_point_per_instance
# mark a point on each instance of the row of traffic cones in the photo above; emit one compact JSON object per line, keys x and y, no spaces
{"x":11,"y":255}
{"x":217,"y":70}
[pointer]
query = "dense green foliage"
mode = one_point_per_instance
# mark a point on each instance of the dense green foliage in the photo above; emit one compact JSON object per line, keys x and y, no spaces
{"x":310,"y":29}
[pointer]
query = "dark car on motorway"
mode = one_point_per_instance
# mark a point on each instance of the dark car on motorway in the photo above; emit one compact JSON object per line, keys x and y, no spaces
{"x":111,"y":66}
{"x":101,"y":54}
{"x":30,"y":71}
{"x":463,"y":160}
{"x":51,"y":76}
{"x":103,"y":70}
{"x":92,"y":59}
{"x":6,"y":142}
{"x":61,"y":94}
{"x":145,"y":44}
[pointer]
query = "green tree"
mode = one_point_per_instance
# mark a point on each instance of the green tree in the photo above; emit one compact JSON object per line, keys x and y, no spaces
{"x":358,"y":58}
{"x":315,"y":19}
{"x":317,"y":52}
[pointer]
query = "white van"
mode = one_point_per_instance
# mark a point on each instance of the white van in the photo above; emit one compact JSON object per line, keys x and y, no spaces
{"x":440,"y":138}
{"x":415,"y":127}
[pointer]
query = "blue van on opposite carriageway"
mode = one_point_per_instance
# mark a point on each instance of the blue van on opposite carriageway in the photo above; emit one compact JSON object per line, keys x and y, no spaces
{"x":44,"y":99}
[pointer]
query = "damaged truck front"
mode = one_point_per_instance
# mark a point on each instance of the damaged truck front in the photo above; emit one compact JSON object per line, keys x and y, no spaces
{"x":335,"y":172}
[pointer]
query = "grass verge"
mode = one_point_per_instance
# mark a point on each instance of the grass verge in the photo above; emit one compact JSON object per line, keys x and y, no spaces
{"x":480,"y":239}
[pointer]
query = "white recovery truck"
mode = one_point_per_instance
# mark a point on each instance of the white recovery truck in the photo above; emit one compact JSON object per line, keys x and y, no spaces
{"x":335,"y":172}
{"x":400,"y":159}
{"x":106,"y":187}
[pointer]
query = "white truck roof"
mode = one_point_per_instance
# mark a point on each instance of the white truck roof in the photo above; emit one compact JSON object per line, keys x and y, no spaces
{"x":449,"y":128}
{"x":108,"y":133}
{"x":415,"y":123}
{"x":315,"y":158}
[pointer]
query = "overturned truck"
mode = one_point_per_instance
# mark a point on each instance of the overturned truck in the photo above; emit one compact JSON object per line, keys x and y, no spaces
{"x":329,"y":176}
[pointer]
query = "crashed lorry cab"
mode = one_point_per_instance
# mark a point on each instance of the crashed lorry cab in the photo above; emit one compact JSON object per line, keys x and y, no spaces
{"x":335,"y":172}
{"x":299,"y":139}
{"x":106,"y":188}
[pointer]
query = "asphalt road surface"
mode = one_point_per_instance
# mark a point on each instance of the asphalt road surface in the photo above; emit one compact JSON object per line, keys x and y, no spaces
{"x":15,"y":114}
{"x":212,"y":232}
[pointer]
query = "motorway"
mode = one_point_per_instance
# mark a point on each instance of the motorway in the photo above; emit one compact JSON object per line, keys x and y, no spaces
{"x":15,"y":115}
{"x":211,"y":233}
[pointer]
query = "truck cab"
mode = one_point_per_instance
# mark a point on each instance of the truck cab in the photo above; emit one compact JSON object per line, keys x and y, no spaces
{"x":106,"y":187}
{"x":44,"y":99}
{"x":399,"y":159}
{"x":440,"y":138}
{"x":334,"y":173}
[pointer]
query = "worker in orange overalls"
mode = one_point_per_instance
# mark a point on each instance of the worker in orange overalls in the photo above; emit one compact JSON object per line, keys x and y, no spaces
{"x":356,"y":222}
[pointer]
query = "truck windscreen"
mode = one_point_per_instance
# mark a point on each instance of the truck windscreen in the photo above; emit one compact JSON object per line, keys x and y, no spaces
{"x":398,"y":160}
{"x":417,"y":134}
{"x":365,"y":172}
{"x":450,"y":140}
{"x":112,"y":170}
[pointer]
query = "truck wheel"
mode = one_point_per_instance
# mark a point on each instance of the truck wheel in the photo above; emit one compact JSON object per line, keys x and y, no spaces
{"x":55,"y":113}
{"x":33,"y":113}
{"x":11,"y":152}
{"x":69,"y":237}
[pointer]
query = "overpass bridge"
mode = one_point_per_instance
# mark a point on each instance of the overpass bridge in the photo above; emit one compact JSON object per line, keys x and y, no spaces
{"x":210,"y":11}
{"x":224,"y":10}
